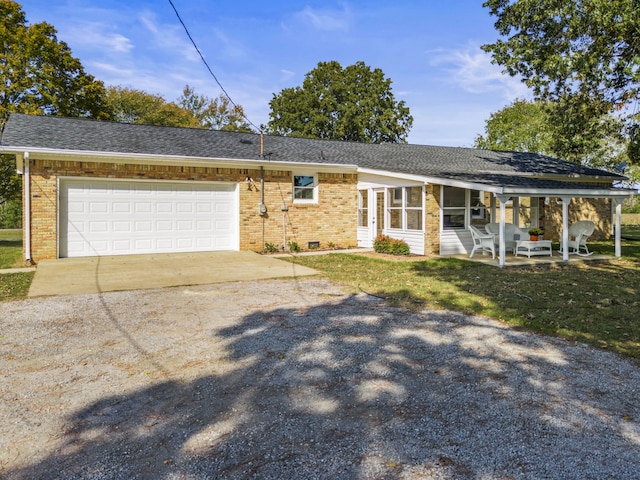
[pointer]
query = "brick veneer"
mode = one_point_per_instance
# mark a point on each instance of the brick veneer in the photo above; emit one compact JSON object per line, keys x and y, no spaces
{"x":333,"y":219}
{"x":432,"y":219}
{"x":598,"y":210}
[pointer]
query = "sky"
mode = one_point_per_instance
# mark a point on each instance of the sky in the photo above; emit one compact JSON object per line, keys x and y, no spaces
{"x":429,"y":49}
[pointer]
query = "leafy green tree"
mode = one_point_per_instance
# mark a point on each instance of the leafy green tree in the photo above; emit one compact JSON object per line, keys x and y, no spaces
{"x":136,"y":106}
{"x":39,"y":75}
{"x":522,"y":126}
{"x":10,"y":183}
{"x":543,"y":127}
{"x":214,"y":114}
{"x":582,"y":53}
{"x":355,"y":103}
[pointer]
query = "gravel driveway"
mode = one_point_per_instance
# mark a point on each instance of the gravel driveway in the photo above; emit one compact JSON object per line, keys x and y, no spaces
{"x":295,"y":379}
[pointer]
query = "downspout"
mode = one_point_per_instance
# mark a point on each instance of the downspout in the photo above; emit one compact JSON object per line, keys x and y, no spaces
{"x":27,"y":208}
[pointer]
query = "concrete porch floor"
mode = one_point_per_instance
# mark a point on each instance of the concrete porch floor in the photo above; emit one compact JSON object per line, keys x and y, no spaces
{"x":524,"y":261}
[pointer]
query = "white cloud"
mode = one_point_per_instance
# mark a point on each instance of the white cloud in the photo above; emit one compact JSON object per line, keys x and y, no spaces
{"x":168,"y":37}
{"x":325,"y":19}
{"x":471,"y":69}
{"x":94,"y":34}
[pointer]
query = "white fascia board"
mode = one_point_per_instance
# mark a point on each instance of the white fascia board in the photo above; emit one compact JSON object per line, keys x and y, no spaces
{"x":146,"y":159}
{"x":498,"y":190}
{"x":569,"y":192}
{"x":20,"y":163}
{"x":434,"y":180}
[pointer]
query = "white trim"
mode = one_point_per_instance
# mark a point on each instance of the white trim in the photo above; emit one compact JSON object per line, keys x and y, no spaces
{"x":314,"y":189}
{"x":157,"y":159}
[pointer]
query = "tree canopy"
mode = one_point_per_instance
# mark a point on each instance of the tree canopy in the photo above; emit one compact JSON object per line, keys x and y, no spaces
{"x":213,"y":114}
{"x":582,"y":54}
{"x":353,"y":103}
{"x":522,"y":126}
{"x":40,"y":75}
{"x":542,"y":127}
{"x":130,"y":105}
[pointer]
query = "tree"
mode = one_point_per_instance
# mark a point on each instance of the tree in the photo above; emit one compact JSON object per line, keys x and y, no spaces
{"x":522,"y":126}
{"x":136,"y":106}
{"x":39,"y":75}
{"x":354,"y":103}
{"x":548,"y":128}
{"x":216,"y":114}
{"x":582,"y":53}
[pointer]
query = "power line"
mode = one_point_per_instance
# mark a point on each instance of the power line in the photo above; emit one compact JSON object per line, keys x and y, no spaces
{"x":209,"y":68}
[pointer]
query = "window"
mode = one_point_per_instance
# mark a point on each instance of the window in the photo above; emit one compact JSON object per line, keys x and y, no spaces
{"x":363,"y":208}
{"x":414,"y":208}
{"x":454,"y":203}
{"x":529,"y":212}
{"x":405,"y":208}
{"x":395,"y":207}
{"x":305,"y":188}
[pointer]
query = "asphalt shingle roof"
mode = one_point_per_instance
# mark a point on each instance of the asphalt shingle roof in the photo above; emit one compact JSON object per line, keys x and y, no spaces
{"x":464,"y":164}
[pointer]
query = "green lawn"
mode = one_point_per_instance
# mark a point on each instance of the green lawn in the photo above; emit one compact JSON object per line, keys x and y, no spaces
{"x":12,"y":285}
{"x":594,"y":303}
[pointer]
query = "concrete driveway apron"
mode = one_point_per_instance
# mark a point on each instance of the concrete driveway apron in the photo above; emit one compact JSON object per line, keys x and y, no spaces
{"x":68,"y":276}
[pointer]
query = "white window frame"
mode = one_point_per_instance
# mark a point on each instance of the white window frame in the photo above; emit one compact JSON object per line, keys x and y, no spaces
{"x":363,"y":211}
{"x":399,"y":203}
{"x":313,"y":188}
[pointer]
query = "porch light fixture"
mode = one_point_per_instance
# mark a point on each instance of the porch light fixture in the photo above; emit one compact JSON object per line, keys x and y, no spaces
{"x":251,"y":184}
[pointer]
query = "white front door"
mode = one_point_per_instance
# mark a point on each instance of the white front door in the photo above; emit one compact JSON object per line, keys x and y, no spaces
{"x":378,"y":216}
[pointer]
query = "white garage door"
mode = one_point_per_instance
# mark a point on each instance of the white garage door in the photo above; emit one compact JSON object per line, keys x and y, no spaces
{"x":111,"y":217}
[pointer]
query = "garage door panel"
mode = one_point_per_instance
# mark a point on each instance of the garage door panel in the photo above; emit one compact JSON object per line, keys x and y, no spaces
{"x":106,"y":217}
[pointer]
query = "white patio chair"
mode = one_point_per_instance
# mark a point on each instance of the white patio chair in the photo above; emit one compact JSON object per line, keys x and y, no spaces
{"x":579,"y":232}
{"x":482,"y":241}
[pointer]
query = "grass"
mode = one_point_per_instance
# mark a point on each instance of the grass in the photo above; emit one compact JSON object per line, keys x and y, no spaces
{"x":12,"y":285}
{"x":10,"y":253}
{"x":593,"y":303}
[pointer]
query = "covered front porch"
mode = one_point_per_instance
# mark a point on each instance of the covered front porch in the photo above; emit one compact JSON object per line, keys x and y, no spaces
{"x":533,"y":203}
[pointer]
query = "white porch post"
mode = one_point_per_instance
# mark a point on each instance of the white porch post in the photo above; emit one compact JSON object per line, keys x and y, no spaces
{"x":493,"y":208}
{"x":618,"y":223}
{"x":565,"y":227}
{"x":502,"y":250}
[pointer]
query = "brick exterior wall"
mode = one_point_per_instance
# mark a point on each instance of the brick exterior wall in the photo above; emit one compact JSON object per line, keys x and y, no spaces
{"x":333,"y":219}
{"x":432,"y":220}
{"x":598,"y":210}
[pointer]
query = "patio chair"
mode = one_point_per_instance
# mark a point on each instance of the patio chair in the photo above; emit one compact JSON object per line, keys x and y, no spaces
{"x":579,"y":232}
{"x":482,"y":241}
{"x":511,"y":235}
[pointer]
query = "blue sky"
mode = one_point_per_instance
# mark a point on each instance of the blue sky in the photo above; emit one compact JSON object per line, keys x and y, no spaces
{"x":429,"y":49}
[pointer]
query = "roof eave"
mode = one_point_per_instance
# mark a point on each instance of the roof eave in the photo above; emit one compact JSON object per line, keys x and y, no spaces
{"x":151,"y":159}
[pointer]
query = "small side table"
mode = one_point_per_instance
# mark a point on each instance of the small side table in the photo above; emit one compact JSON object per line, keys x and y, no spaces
{"x":528,"y":248}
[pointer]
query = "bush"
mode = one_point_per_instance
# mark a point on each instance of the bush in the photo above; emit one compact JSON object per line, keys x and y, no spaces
{"x":271,"y":248}
{"x":393,"y":246}
{"x":11,"y":214}
{"x":293,"y":246}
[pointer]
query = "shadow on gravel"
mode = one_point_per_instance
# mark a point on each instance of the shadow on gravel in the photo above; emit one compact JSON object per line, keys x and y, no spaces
{"x":356,"y":389}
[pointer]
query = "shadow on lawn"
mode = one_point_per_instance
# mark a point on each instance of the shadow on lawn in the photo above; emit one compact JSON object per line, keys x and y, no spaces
{"x":356,"y":389}
{"x":594,"y":303}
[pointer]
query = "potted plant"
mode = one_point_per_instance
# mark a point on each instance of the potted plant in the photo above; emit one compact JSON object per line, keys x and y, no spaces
{"x":534,"y":233}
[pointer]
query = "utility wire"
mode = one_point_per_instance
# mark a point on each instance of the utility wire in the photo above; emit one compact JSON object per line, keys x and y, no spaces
{"x":209,"y":68}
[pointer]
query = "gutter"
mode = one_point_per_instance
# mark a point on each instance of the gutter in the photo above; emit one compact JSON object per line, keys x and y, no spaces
{"x":161,"y":159}
{"x":27,"y":207}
